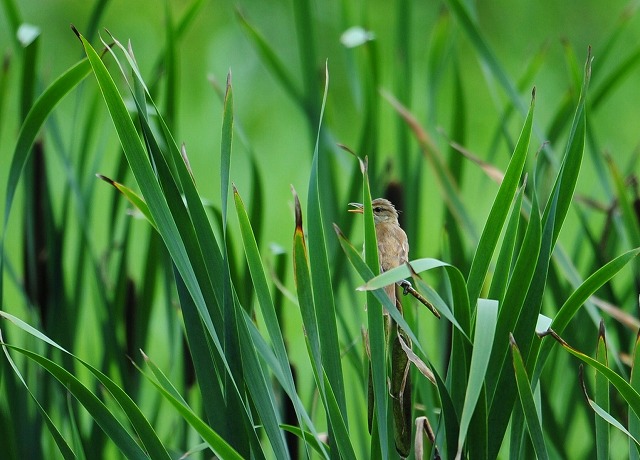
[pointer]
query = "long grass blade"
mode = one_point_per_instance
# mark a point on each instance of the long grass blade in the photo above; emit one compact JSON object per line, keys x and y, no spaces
{"x":271,"y":59}
{"x":579,"y":297}
{"x":205,"y":365}
{"x":340,"y":429}
{"x":305,"y":292}
{"x":630,"y":395}
{"x":320,"y":447}
{"x":98,"y":410}
{"x":512,"y":305}
{"x":528,"y":403}
{"x":500,"y":209}
{"x":629,"y":216}
{"x":375,"y":321}
{"x":218,"y":445}
{"x":504,"y":263}
{"x":603,"y":438}
{"x":483,"y":340}
{"x":13,"y":18}
{"x":172,"y":157}
{"x":568,"y":175}
{"x":61,"y":443}
{"x":133,"y":198}
{"x":143,"y":172}
{"x":634,"y":419}
{"x":260,"y":388}
{"x":30,"y":128}
{"x":139,"y":422}
{"x":321,"y":277}
{"x":268,"y":310}
{"x":607,"y":419}
{"x":524,"y":332}
{"x":485,"y":52}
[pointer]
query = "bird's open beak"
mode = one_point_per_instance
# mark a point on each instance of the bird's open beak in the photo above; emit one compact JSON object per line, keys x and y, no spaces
{"x":358,"y":208}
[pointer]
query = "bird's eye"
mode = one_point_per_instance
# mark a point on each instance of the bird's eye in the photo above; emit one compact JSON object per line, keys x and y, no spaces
{"x":377,"y":209}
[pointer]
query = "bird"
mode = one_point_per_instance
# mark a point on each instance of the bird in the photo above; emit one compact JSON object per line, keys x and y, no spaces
{"x":393,"y":244}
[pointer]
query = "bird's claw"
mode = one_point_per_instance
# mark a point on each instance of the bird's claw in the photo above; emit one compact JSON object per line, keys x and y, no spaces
{"x":406,"y":286}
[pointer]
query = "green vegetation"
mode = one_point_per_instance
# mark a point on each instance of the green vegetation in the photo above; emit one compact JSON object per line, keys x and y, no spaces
{"x":192,"y":301}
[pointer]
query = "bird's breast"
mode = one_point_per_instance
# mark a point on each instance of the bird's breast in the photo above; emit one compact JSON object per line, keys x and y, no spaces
{"x":393,"y":246}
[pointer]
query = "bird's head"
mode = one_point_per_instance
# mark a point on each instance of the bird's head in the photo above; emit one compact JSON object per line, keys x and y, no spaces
{"x":383,"y":210}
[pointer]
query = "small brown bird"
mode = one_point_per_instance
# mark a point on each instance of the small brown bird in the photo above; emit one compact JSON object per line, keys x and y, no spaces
{"x":393,"y":245}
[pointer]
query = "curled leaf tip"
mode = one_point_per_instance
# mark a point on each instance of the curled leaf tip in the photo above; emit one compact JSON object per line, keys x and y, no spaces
{"x":234,"y":188}
{"x":533,"y":94}
{"x":75,"y":31}
{"x":363,"y":166}
{"x":582,"y":384}
{"x":144,"y":356}
{"x":346,"y":148}
{"x":587,"y":65}
{"x":512,"y":340}
{"x":298,"y":210}
{"x":601,"y":328}
{"x":337,"y":230}
{"x":229,"y":78}
{"x":412,"y":271}
{"x":555,"y":335}
{"x":106,"y":179}
{"x":185,"y":158}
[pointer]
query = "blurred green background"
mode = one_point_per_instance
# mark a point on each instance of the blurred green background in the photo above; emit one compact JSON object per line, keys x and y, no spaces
{"x":279,"y":134}
{"x":541,"y":43}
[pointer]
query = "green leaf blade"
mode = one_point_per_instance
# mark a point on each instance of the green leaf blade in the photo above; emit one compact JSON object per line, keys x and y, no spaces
{"x":500,"y":209}
{"x":528,"y":403}
{"x":483,"y":341}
